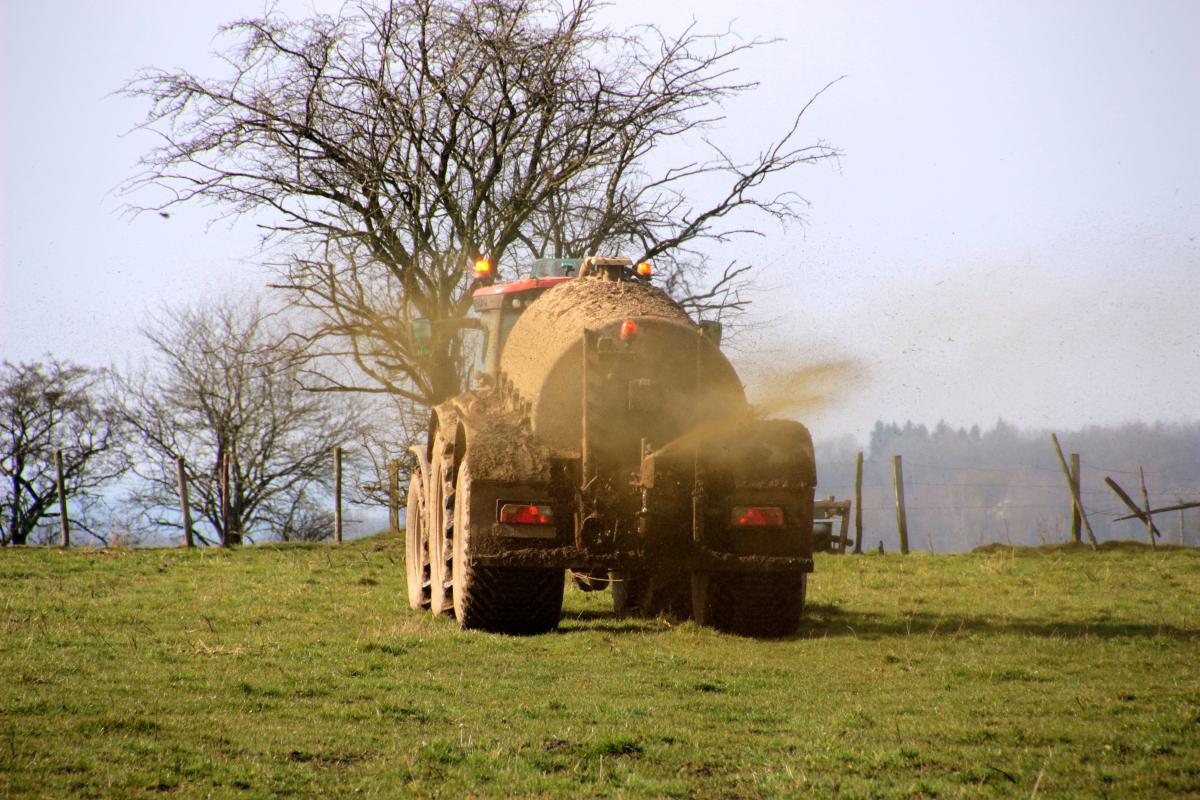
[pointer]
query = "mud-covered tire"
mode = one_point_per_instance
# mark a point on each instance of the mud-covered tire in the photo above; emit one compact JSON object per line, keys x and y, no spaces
{"x":436,"y":499}
{"x":762,"y":605}
{"x":512,"y":600}
{"x":416,"y":543}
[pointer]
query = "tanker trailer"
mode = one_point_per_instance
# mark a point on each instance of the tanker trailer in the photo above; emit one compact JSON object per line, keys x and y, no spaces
{"x":610,"y":437}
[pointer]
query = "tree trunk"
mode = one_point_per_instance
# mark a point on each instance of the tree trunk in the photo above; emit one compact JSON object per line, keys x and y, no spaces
{"x":444,"y":381}
{"x":18,"y":534}
{"x":236,"y":524}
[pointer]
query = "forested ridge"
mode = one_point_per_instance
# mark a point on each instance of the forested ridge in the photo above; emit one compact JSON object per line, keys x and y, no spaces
{"x":967,"y":487}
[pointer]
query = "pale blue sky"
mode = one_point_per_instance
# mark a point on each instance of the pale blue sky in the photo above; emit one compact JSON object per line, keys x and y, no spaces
{"x":1014,"y":230}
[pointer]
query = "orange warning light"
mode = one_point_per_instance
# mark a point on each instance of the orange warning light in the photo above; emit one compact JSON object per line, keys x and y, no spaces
{"x":629,"y":329}
{"x":483,"y":268}
{"x":644,"y":269}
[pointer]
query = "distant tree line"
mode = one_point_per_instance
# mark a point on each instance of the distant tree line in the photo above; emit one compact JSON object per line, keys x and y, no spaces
{"x":967,"y":486}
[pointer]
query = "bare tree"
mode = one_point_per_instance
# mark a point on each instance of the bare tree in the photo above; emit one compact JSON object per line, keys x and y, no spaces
{"x":392,"y":144}
{"x":396,"y":424}
{"x":223,"y":389}
{"x":46,"y":407}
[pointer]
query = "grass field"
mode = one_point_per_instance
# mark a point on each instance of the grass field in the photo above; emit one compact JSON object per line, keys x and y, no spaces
{"x":299,"y":671}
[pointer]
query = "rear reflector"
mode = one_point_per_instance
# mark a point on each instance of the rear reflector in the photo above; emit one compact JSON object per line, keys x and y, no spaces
{"x":522,"y":514}
{"x":756,"y":517}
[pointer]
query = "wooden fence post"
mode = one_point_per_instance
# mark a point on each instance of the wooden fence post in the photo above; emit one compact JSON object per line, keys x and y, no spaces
{"x":64,"y":524}
{"x":394,"y":495}
{"x":858,"y":478}
{"x":1128,"y":501}
{"x":901,"y":517}
{"x":1075,"y":490}
{"x":337,"y":495}
{"x":225,"y":531}
{"x":184,"y":506}
{"x":1180,"y":501}
{"x":1150,"y":529}
{"x":844,"y":530}
{"x":235,"y":484}
{"x":1076,"y":519}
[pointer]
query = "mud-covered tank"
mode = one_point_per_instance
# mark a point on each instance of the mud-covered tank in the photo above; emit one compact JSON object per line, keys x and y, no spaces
{"x":669,"y":376}
{"x":611,"y":439}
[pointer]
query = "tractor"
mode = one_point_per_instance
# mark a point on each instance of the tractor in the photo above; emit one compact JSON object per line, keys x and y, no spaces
{"x":609,"y":437}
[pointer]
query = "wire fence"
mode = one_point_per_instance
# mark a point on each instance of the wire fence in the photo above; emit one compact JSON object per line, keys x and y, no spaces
{"x":957,"y":507}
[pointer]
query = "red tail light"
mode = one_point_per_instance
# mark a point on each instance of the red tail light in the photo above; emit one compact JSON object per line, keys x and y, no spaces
{"x":526,"y":514}
{"x":629,"y":330}
{"x":756,"y":517}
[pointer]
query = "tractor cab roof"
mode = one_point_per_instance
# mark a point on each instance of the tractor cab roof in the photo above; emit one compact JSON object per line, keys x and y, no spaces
{"x":494,"y":296}
{"x":546,"y":272}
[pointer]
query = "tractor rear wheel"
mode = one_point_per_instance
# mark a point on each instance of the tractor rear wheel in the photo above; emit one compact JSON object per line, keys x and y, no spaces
{"x":439,"y":497}
{"x":513,"y":600}
{"x":416,"y":541}
{"x":759,"y":604}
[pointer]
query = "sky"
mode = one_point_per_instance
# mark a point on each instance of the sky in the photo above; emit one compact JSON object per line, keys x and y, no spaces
{"x":1012,"y":231}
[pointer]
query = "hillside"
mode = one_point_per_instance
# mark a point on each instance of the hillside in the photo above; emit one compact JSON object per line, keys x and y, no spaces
{"x":297,"y":671}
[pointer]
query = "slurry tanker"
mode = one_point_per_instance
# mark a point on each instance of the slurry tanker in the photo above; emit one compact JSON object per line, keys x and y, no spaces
{"x":607,"y":436}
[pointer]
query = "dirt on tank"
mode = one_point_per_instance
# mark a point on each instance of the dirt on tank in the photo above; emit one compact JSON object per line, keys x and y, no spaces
{"x":552,"y":324}
{"x":501,"y":445}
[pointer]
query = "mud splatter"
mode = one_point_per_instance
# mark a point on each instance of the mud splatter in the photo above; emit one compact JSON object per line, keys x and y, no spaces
{"x":804,"y":389}
{"x":793,"y":392}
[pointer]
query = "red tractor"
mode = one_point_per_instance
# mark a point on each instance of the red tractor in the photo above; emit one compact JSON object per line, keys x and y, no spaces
{"x":610,"y":437}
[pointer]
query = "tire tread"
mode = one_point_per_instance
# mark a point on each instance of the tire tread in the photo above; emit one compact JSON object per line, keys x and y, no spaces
{"x":761,"y":605}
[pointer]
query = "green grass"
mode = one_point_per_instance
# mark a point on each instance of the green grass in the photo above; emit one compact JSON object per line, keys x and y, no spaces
{"x":299,"y":671}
